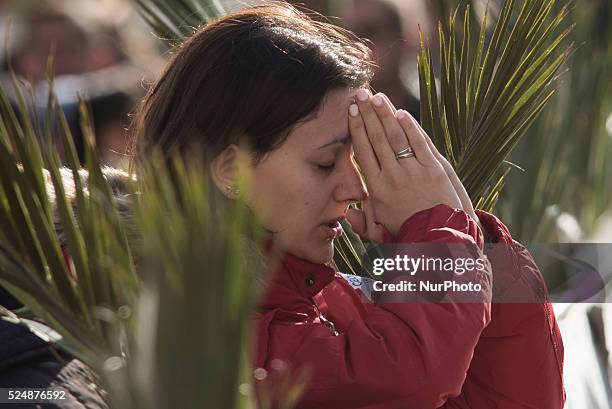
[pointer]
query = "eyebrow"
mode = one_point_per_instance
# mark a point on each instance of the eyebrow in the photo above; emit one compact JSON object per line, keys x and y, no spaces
{"x":343,"y":140}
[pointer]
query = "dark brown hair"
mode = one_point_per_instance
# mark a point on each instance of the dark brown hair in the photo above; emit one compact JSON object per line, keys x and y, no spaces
{"x":248,"y":77}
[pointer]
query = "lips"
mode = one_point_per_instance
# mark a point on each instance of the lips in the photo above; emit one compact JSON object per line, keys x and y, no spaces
{"x":333,"y":228}
{"x":333,"y":224}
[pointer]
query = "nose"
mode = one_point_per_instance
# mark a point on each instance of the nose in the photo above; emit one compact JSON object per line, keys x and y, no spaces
{"x":351,"y":187}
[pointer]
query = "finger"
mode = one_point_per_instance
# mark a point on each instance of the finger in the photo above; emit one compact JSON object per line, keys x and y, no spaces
{"x":448,"y":168}
{"x":393,"y":108}
{"x":374,"y":230}
{"x":433,"y":147}
{"x":364,"y":153}
{"x":466,"y":202}
{"x":356,"y":219}
{"x":395,"y":134}
{"x":374,"y":129}
{"x":464,"y":197}
{"x":423,"y":154}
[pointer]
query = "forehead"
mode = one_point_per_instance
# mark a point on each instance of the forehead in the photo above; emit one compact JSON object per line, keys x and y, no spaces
{"x":329,"y":123}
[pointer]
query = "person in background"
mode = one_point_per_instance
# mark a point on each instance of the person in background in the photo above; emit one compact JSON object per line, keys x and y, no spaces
{"x":85,"y":63}
{"x":380,"y":22}
{"x":51,"y":32}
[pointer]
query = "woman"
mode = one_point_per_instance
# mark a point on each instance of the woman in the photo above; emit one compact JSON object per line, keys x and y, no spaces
{"x":268,"y":94}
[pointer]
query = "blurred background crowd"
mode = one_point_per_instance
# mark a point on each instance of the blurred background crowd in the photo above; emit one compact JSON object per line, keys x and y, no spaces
{"x":560,"y":183}
{"x":105,"y":52}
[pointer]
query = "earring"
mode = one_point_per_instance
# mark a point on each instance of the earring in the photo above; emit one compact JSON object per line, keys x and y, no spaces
{"x":232,"y":191}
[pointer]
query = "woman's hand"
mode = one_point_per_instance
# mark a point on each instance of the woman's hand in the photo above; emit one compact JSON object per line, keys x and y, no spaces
{"x":398,"y":188}
{"x":466,"y":202}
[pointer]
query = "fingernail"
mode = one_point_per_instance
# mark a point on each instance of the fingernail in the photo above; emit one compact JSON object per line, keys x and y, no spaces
{"x":362,"y":95}
{"x":354,"y":110}
{"x":401,"y":114}
{"x":377,"y":100}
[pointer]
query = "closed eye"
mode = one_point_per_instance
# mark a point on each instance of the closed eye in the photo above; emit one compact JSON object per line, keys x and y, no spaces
{"x":327,"y":168}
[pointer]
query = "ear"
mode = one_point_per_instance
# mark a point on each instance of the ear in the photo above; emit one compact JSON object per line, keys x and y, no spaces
{"x":226,"y":168}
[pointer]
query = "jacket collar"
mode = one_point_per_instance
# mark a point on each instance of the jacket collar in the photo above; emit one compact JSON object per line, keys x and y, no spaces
{"x":294,"y":281}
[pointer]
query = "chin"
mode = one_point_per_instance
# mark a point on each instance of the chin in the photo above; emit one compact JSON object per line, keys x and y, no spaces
{"x":313,"y":249}
{"x":323,"y":254}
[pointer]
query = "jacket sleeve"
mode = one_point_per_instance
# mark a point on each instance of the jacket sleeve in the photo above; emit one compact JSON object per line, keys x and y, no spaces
{"x":400,"y":355}
{"x":518,"y":362}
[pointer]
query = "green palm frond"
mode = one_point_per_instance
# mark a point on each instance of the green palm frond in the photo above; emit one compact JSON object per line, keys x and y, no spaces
{"x":567,"y":154}
{"x":68,"y":296}
{"x":201,"y":260}
{"x":174,"y":20}
{"x":160,"y":281}
{"x":491,"y":89}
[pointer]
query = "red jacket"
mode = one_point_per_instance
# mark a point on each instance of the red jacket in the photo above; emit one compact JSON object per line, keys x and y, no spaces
{"x":416,"y":355}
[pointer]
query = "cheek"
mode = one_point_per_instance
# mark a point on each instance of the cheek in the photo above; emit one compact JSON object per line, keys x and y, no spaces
{"x":275,"y":195}
{"x":288,"y":200}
